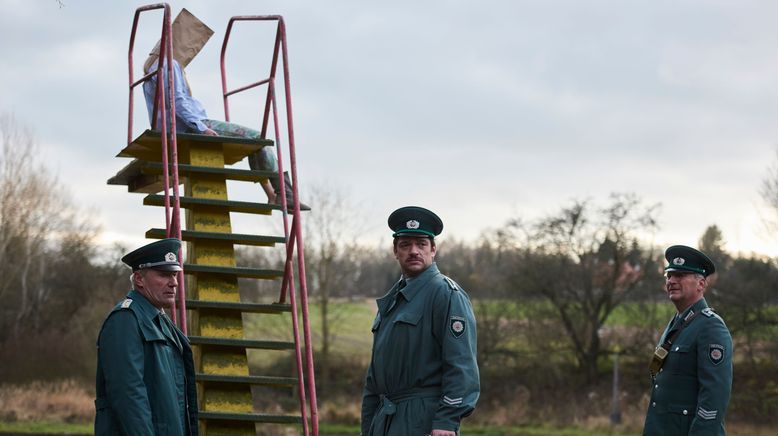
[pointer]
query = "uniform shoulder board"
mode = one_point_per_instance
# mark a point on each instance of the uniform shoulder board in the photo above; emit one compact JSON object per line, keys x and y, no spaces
{"x":451,"y":284}
{"x":711,"y":313}
{"x":126,"y":303}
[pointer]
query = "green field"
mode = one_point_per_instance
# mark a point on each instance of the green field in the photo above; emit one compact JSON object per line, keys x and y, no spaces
{"x":324,"y":429}
{"x":42,"y":427}
{"x":350,"y":323}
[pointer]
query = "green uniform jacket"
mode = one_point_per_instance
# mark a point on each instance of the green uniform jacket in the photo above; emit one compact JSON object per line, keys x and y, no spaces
{"x":691,"y":392}
{"x":423,"y":374}
{"x":145,"y":374}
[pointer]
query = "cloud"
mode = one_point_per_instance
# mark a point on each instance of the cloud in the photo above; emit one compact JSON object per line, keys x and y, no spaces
{"x":479,"y":110}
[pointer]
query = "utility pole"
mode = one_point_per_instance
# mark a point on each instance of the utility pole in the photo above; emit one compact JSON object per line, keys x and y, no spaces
{"x":616,"y":412}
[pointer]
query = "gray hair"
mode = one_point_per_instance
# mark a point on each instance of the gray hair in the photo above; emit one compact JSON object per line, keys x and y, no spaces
{"x":699,"y":276}
{"x":132,"y":277}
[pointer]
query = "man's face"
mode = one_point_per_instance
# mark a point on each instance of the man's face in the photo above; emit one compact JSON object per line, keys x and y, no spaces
{"x":158,"y":286}
{"x":415,"y":254}
{"x":683,"y":288}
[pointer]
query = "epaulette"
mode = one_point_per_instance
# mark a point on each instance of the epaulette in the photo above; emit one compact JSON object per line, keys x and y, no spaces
{"x":126,"y":303}
{"x":452,"y":284}
{"x":711,"y":313}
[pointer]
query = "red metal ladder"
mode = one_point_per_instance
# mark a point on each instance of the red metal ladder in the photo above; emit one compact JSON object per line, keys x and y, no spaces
{"x":224,"y":379}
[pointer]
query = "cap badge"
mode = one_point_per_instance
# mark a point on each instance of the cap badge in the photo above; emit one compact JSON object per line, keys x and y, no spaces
{"x":679,"y":261}
{"x":171,"y":257}
{"x":412,"y":224}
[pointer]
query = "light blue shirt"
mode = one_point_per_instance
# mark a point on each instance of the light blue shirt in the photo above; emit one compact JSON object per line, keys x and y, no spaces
{"x":189,"y":111}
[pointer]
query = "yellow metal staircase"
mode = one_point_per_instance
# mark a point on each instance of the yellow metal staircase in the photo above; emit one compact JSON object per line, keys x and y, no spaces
{"x":212,"y":312}
{"x":215,"y":309}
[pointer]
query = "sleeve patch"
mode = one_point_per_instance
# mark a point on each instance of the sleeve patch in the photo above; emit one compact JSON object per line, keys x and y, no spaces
{"x":452,"y":401}
{"x":707,"y":414}
{"x":457,"y":325}
{"x":716,"y":353}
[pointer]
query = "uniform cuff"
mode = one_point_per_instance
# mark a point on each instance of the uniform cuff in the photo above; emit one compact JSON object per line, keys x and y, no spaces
{"x":445,"y":425}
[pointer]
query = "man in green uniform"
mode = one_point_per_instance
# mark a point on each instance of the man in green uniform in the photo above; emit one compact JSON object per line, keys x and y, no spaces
{"x":423,"y":375}
{"x":145,"y":372}
{"x":692,"y":367}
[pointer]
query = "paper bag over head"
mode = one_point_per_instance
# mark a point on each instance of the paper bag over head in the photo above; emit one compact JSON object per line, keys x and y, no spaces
{"x":189,"y":36}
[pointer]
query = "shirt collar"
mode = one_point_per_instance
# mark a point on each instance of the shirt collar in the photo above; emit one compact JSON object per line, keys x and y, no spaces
{"x":694,"y":308}
{"x":413,"y":284}
{"x":145,"y":306}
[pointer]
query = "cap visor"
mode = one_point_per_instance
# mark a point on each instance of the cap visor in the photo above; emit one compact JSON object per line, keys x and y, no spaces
{"x":682,"y":269}
{"x":413,"y":233}
{"x":170,"y":267}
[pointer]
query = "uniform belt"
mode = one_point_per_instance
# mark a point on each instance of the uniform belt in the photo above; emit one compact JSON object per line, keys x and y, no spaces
{"x":388,"y":407}
{"x":408,"y":394}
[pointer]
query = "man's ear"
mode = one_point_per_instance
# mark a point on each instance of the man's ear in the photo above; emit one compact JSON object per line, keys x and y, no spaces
{"x":702,"y":283}
{"x":137,"y":278}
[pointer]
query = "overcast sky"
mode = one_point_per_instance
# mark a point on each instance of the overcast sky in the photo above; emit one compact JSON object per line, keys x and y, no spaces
{"x":479,"y":110}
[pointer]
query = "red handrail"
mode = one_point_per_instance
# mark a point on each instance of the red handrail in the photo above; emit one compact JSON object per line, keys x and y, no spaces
{"x":172,"y":212}
{"x":294,"y":235}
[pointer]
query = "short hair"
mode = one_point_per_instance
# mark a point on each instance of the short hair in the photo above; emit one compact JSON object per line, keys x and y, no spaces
{"x":132,"y":276}
{"x":396,"y":238}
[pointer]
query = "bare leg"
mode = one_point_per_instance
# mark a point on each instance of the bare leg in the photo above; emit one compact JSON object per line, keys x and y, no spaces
{"x":271,"y":194}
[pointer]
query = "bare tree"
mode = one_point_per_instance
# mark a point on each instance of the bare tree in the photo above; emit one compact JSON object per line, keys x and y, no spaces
{"x":744,"y":292}
{"x":49,"y":268}
{"x":586,"y":262}
{"x":769,"y":193}
{"x":483,"y":271}
{"x":36,"y":215}
{"x":332,"y":257}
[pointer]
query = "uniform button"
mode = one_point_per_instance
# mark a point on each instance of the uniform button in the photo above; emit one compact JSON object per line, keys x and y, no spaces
{"x":685,"y":412}
{"x":656,"y":386}
{"x":661,"y":369}
{"x":653,"y":404}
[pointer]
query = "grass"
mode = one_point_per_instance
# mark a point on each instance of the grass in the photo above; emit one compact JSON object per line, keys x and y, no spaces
{"x":67,"y":408}
{"x":41,"y":427}
{"x":349,"y":323}
{"x":62,"y":401}
{"x":44,"y":427}
{"x":343,"y":430}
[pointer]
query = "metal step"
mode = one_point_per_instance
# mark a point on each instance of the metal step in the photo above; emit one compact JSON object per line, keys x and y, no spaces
{"x":148,"y":146}
{"x":241,"y":343}
{"x":229,"y":205}
{"x":235,"y":238}
{"x":242,"y":307}
{"x":252,"y":379}
{"x":228,"y":173}
{"x":239,"y":271}
{"x":253,"y":417}
{"x":144,"y":176}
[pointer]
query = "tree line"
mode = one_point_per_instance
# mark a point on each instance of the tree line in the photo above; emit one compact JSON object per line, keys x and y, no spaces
{"x":574,"y":268}
{"x":552,"y":285}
